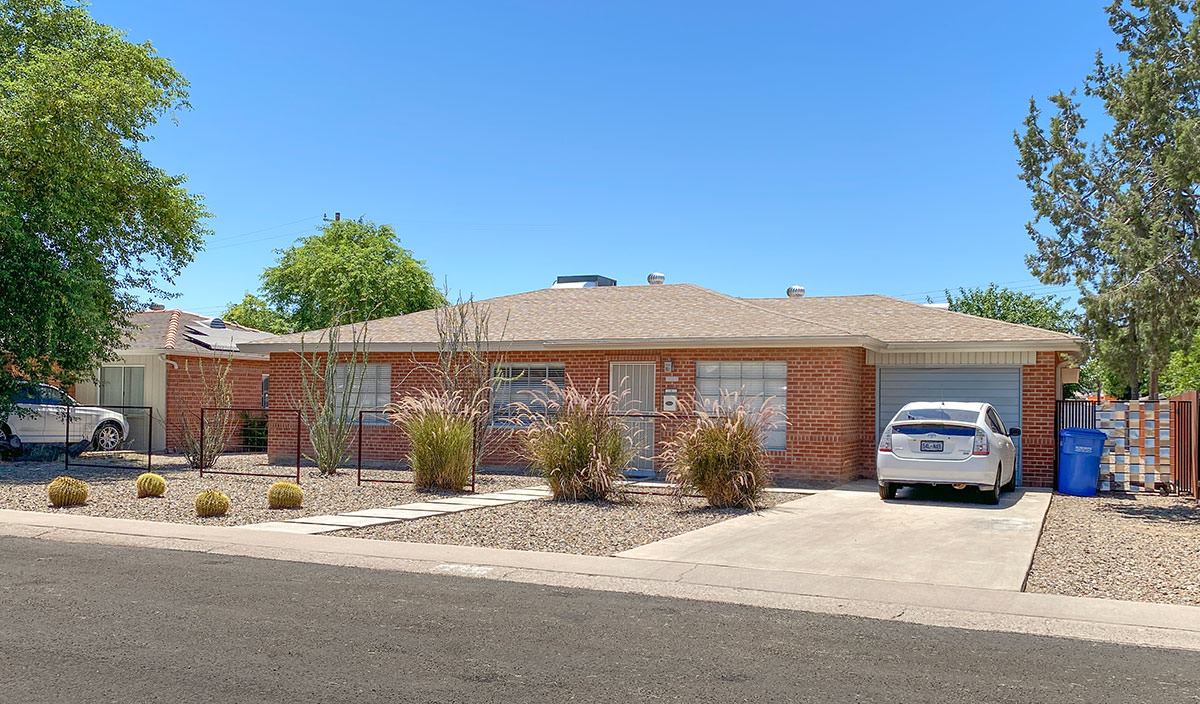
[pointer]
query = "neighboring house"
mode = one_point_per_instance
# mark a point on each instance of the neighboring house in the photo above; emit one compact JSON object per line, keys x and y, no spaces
{"x":160,"y":367}
{"x":839,"y":367}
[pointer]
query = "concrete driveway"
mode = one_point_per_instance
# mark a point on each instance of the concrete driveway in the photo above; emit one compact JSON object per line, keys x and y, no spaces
{"x":922,"y":536}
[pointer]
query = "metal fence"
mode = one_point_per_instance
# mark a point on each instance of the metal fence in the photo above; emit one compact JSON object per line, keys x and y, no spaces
{"x":1071,"y":414}
{"x":244,"y":431}
{"x":106,"y":436}
{"x":386,"y":434}
{"x":1185,"y":431}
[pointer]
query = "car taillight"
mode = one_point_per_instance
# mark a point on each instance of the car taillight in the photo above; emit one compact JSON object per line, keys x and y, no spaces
{"x":885,"y":441}
{"x":981,"y":444}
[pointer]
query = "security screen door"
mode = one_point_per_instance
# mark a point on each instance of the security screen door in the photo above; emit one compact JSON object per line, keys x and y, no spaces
{"x":635,"y":381}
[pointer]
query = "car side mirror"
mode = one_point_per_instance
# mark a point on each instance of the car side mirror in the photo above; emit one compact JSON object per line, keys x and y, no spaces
{"x":1014,"y":432}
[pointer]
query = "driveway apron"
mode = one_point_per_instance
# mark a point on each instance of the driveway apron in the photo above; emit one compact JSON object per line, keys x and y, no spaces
{"x":850,"y":532}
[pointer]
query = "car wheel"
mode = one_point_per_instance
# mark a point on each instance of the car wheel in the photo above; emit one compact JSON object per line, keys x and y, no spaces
{"x":107,"y":437}
{"x":992,"y":496}
{"x":10,"y":445}
{"x":887,"y":491}
{"x":1011,"y":484}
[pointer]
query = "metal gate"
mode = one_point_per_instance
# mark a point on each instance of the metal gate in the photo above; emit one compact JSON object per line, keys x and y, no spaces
{"x":1185,"y":464}
{"x":1071,"y":414}
{"x":634,"y":382}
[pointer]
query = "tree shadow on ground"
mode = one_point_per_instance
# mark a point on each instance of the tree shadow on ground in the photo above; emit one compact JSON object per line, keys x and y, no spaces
{"x":1165,"y":510}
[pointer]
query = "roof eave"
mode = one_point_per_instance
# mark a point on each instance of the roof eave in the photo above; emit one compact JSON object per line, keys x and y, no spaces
{"x":1065,"y":344}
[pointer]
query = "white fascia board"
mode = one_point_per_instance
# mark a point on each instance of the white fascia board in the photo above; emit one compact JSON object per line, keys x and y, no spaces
{"x":1065,"y":345}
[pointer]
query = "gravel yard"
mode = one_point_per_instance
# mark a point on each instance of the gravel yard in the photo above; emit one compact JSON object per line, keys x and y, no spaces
{"x":588,"y":528}
{"x":1120,"y":546}
{"x":112,"y":493}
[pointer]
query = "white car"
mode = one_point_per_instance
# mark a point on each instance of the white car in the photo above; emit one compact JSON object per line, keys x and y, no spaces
{"x":42,"y":418}
{"x":940,"y":442}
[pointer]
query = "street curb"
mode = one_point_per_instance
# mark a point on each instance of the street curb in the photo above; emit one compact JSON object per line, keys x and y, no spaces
{"x":1130,"y":623}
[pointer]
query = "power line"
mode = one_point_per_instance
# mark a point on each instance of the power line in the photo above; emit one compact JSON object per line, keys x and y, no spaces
{"x":226,"y":238}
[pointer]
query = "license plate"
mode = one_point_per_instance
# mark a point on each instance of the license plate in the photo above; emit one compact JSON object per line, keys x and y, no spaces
{"x":932,"y":445}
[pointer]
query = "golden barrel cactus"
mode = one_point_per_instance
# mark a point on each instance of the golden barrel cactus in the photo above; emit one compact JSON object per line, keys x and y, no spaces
{"x":67,"y":491}
{"x":211,"y":503}
{"x":150,"y":484}
{"x":285,"y":495}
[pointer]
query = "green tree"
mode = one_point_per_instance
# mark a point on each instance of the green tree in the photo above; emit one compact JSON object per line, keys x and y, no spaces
{"x":1119,"y":216}
{"x":87,"y":223}
{"x":1047,"y":312}
{"x":351,"y":270}
{"x":1182,"y":372}
{"x":254,"y":312}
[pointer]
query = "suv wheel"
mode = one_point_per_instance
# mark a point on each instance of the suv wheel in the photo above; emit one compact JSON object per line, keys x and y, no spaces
{"x":107,"y":437}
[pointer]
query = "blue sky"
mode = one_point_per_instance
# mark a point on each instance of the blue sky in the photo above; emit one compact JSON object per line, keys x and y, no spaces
{"x":745,"y":146}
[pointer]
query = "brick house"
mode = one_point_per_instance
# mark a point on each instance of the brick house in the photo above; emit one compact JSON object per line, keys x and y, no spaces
{"x":161,"y":367}
{"x":838,"y":367}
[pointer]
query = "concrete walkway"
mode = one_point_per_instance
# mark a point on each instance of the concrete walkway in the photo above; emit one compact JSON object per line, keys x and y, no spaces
{"x":850,"y":532}
{"x":1132,"y":623}
{"x":313,"y":525}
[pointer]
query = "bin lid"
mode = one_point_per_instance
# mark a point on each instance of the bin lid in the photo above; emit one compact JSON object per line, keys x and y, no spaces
{"x":1082,"y":433}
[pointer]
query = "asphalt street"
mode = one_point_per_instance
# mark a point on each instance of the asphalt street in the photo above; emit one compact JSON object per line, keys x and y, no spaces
{"x":88,"y":623}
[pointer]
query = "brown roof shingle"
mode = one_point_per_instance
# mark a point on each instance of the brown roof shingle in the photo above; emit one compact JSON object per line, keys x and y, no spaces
{"x":182,"y":332}
{"x":685,"y":313}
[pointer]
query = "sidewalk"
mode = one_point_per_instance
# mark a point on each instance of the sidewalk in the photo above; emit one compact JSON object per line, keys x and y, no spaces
{"x":1130,"y":623}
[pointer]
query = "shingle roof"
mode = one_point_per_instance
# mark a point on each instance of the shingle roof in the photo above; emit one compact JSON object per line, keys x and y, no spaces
{"x":182,"y":332}
{"x":685,"y":313}
{"x":891,"y":320}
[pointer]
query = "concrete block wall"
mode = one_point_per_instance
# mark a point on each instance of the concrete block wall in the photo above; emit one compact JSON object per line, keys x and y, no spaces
{"x":1137,"y":454}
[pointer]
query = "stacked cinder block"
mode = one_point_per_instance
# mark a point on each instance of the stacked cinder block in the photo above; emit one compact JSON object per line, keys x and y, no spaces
{"x":1137,"y":454}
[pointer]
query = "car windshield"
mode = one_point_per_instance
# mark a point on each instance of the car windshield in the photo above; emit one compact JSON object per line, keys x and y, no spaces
{"x":951,"y":414}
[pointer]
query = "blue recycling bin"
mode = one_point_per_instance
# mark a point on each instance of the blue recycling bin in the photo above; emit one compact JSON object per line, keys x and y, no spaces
{"x":1079,"y":451}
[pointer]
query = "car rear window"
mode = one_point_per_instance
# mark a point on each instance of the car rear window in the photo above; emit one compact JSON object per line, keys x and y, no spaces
{"x":950,"y":414}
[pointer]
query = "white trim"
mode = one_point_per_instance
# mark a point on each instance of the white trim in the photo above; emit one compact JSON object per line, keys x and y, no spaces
{"x":950,"y":358}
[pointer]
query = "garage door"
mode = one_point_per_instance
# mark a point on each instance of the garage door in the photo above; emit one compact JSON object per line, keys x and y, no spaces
{"x":999,"y":386}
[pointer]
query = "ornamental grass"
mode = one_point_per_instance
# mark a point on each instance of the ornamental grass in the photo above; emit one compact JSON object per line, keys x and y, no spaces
{"x":575,"y":441}
{"x":719,"y":453}
{"x":441,"y":434}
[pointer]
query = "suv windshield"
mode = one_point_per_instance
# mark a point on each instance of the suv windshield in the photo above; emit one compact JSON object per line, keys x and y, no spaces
{"x":950,"y":414}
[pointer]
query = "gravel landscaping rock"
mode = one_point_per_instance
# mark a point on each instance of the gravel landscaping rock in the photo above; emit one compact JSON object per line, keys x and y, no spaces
{"x":113,"y":494}
{"x":1120,"y":546}
{"x":588,"y":528}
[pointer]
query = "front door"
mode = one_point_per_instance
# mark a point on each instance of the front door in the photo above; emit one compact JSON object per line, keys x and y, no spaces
{"x":634,"y":383}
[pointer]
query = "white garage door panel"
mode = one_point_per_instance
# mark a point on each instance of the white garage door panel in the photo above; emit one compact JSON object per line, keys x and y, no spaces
{"x":999,"y":386}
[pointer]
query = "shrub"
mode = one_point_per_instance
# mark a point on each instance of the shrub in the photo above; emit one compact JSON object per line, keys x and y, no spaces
{"x":576,"y":442}
{"x":285,"y":495}
{"x":253,"y":431}
{"x":150,"y":484}
{"x":67,"y":491}
{"x":441,"y":434}
{"x":720,"y":455}
{"x":211,"y":503}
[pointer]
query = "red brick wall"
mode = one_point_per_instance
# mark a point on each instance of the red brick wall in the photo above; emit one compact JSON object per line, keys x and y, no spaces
{"x":823,"y":405}
{"x":830,"y":405}
{"x":185,"y":389}
{"x":1038,"y":392}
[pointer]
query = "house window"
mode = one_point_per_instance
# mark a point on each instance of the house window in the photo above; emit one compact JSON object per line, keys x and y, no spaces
{"x":122,"y":385}
{"x":522,"y":384}
{"x":266,"y":383}
{"x":757,"y":384}
{"x":374,"y":392}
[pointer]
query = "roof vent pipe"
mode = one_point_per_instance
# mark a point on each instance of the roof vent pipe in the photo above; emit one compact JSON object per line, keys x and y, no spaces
{"x":795,"y":292}
{"x":656,"y":279}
